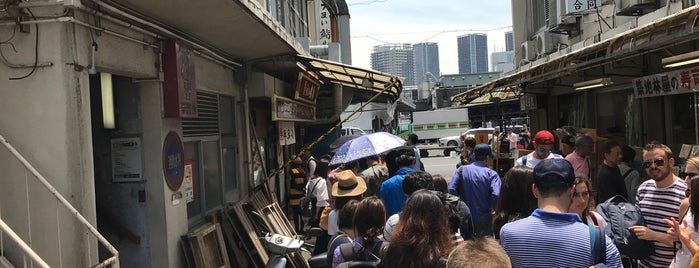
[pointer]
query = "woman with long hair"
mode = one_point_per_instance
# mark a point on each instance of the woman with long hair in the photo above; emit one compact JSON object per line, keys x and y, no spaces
{"x":368,"y":225}
{"x":582,"y":202}
{"x":422,"y":237}
{"x":687,"y":229}
{"x":516,"y":199}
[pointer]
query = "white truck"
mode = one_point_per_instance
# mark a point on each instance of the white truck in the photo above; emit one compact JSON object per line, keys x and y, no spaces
{"x":430,"y":126}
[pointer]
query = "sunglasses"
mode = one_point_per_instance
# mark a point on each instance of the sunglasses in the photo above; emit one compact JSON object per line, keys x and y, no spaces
{"x":657,"y":162}
{"x":688,"y":174}
{"x":542,"y":150}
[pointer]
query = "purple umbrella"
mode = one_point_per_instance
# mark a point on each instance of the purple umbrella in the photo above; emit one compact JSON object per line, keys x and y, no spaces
{"x":366,"y":145}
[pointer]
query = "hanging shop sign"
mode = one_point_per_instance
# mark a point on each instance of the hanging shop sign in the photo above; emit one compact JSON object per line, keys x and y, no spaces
{"x":306,"y":88}
{"x":179,"y":88}
{"x":527,"y":102}
{"x":173,"y":161}
{"x":284,"y":109}
{"x":287,"y":133}
{"x":669,"y":83}
{"x":126,"y":160}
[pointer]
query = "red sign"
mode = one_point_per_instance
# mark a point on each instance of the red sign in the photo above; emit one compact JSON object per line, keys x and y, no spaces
{"x":306,"y":89}
{"x":179,"y":88}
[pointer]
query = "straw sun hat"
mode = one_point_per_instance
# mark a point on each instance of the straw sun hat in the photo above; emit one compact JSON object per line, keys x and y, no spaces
{"x":348,"y":184}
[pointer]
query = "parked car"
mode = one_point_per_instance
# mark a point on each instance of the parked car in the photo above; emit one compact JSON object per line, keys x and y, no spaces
{"x":456,"y":140}
{"x":352,"y":131}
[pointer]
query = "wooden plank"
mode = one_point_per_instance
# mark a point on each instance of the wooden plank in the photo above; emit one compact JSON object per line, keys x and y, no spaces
{"x":208,"y":247}
{"x":250,"y":231}
{"x":235,"y":253}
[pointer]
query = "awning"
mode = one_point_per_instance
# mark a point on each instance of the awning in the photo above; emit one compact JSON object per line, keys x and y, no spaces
{"x":667,"y":31}
{"x":501,"y":94}
{"x":366,"y":82}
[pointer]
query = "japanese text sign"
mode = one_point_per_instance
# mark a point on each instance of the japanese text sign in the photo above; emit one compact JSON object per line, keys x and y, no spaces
{"x":670,"y":83}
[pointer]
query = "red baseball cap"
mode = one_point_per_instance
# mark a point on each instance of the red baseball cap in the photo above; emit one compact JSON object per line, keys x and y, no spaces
{"x":543,"y":137}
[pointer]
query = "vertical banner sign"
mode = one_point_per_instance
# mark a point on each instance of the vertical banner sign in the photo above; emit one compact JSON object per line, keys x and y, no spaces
{"x":126,"y":159}
{"x":179,"y":89}
{"x":527,"y":102}
{"x":173,"y":161}
{"x":323,"y":28}
{"x":287,"y":134}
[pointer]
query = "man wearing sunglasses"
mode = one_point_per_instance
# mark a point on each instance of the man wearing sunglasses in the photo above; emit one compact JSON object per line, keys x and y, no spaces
{"x":543,"y":148}
{"x":658,"y":198}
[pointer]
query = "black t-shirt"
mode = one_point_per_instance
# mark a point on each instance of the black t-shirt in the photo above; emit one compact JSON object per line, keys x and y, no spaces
{"x":609,"y":183}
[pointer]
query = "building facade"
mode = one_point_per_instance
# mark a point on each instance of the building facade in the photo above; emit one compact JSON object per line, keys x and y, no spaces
{"x":632,"y":82}
{"x":150,"y":121}
{"x":426,"y":60}
{"x":503,"y":62}
{"x":473,"y":53}
{"x":395,"y":59}
{"x":509,"y":41}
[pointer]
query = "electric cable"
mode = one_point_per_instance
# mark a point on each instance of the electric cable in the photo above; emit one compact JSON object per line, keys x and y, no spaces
{"x":36,"y":51}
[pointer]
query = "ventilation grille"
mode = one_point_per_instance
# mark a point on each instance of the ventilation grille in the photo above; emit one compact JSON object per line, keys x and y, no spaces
{"x":206,"y":124}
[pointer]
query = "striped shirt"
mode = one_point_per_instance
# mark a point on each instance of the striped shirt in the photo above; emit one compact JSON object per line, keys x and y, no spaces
{"x":657,"y":204}
{"x":548,"y":239}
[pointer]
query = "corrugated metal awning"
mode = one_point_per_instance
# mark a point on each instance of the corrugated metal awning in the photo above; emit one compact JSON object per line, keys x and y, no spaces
{"x":367,"y":82}
{"x":662,"y":33}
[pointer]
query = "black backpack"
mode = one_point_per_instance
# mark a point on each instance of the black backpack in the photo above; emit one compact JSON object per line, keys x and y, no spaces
{"x":620,"y":215}
{"x":351,"y":259}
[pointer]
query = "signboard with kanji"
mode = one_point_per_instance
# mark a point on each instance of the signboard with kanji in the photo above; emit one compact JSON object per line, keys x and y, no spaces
{"x":284,"y":109}
{"x":323,"y":28}
{"x":306,"y":89}
{"x":582,"y":6}
{"x":287,"y":134}
{"x":670,"y":83}
{"x":179,"y":87}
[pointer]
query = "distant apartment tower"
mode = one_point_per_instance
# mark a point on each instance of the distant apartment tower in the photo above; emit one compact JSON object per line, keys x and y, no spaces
{"x":509,"y":41}
{"x":395,"y":59}
{"x":426,"y":60}
{"x":473,"y":53}
{"x":502,"y":62}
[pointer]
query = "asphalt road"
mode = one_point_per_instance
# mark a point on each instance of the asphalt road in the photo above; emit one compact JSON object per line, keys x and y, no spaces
{"x":439,"y":164}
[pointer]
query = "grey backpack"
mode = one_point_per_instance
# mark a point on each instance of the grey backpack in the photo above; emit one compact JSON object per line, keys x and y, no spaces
{"x":620,"y":215}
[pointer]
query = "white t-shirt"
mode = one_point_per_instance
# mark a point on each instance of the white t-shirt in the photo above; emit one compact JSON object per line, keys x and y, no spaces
{"x":391,"y":224}
{"x":333,"y":228}
{"x":320,"y":192}
{"x":532,"y":161}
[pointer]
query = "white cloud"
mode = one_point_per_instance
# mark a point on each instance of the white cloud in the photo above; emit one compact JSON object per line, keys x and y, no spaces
{"x":413,"y":21}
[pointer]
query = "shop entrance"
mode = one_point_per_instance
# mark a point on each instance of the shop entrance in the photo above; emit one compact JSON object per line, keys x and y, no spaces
{"x":119,"y":179}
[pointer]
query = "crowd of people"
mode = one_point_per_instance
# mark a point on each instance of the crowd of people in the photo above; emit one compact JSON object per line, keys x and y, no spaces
{"x":539,"y":214}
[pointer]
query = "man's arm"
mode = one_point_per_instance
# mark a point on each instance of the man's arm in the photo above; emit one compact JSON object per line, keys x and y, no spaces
{"x":454,"y":183}
{"x":494,"y":189}
{"x":645,"y":233}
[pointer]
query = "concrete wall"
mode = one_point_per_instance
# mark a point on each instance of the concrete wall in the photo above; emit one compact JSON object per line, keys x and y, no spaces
{"x":47,"y":117}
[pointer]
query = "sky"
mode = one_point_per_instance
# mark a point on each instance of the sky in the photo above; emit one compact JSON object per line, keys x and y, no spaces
{"x":377,"y":22}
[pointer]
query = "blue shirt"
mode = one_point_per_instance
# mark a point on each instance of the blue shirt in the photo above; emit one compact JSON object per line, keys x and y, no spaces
{"x":479,"y":187}
{"x":391,"y":192}
{"x":549,"y":239}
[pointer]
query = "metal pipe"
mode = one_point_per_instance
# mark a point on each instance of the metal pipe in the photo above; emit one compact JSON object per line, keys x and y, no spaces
{"x":61,"y":199}
{"x":26,"y":248}
{"x":166,"y":31}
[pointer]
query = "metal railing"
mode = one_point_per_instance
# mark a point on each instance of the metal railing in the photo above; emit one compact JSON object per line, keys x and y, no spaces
{"x":26,"y":247}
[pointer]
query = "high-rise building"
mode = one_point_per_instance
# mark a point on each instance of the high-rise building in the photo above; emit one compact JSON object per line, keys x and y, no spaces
{"x":395,"y":59}
{"x":503,"y":61}
{"x":426,"y":60}
{"x":473,"y":53}
{"x":509,"y":41}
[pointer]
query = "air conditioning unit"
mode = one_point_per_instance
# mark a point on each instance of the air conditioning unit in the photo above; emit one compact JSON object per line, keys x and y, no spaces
{"x":547,"y":42}
{"x":636,"y":7}
{"x":528,"y":50}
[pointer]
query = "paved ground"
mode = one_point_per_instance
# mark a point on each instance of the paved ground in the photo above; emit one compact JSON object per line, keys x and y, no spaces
{"x":440,"y":164}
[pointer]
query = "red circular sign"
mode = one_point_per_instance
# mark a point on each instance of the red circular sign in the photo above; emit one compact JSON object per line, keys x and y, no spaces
{"x":173,"y":160}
